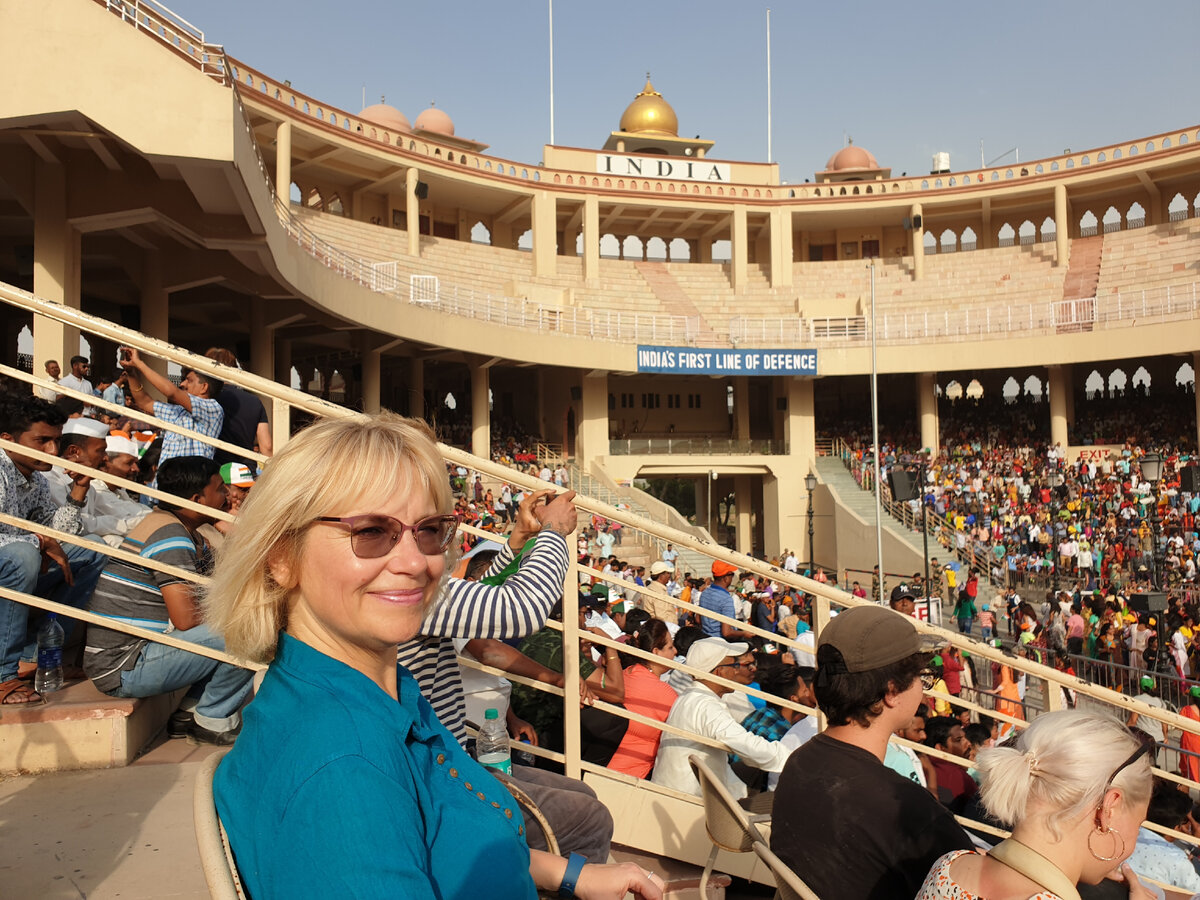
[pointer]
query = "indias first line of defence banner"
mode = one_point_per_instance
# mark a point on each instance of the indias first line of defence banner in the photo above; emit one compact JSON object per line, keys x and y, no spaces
{"x":718,"y":361}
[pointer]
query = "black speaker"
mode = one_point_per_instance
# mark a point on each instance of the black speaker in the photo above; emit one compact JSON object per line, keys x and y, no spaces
{"x":1189,"y":479}
{"x":916,"y":222}
{"x":421,"y":190}
{"x":577,"y":394}
{"x":902,"y":485}
{"x":1148,"y":603}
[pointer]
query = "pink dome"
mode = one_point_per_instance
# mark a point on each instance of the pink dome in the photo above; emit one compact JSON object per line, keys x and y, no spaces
{"x":851,"y":157}
{"x":386,"y":116}
{"x":433,"y":119}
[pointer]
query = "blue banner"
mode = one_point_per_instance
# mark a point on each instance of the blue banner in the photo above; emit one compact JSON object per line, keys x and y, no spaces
{"x":711,"y":361}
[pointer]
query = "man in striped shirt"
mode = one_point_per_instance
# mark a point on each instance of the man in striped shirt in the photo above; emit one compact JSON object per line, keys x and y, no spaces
{"x":515,"y":609}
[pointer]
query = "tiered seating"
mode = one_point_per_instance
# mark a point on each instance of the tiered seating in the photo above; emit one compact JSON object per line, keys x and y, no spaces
{"x":1149,"y":258}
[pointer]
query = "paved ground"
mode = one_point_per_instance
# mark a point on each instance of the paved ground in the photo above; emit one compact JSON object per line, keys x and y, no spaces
{"x":116,"y":833}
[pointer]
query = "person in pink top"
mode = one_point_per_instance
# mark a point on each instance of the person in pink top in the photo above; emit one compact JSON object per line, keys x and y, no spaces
{"x":647,"y":694}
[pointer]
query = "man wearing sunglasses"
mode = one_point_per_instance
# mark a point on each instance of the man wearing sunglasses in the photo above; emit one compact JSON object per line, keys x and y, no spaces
{"x":700,"y":710}
{"x":854,"y":827}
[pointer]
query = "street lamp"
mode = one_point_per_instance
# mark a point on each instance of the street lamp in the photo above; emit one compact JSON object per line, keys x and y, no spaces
{"x":810,"y":485}
{"x":1056,"y":483}
{"x":1152,"y":470}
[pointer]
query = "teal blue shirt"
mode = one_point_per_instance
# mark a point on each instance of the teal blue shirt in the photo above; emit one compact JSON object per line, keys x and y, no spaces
{"x":335,"y":789}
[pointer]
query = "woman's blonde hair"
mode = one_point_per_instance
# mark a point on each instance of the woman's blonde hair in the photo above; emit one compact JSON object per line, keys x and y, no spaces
{"x":1059,"y":767}
{"x":326,"y":469}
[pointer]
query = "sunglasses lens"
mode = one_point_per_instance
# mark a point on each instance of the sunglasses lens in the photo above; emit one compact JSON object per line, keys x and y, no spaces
{"x":435,"y":533}
{"x":373,"y":537}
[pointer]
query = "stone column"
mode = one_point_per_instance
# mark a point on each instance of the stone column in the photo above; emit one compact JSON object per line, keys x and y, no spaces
{"x":481,"y":416}
{"x":784,"y":499}
{"x":283,"y":363}
{"x":412,"y":209}
{"x":1062,"y":252}
{"x":592,"y":442}
{"x":372,"y":366}
{"x":155,"y":305}
{"x":1196,"y":391}
{"x":1060,"y":384}
{"x":927,"y":410}
{"x":742,"y":492}
{"x":741,"y":408}
{"x":545,"y":237}
{"x":283,"y":161}
{"x":781,"y":248}
{"x":55,"y":266}
{"x":262,"y":339}
{"x":416,"y":387}
{"x":918,"y":243}
{"x":591,"y":238}
{"x":738,"y":239}
{"x":703,"y":250}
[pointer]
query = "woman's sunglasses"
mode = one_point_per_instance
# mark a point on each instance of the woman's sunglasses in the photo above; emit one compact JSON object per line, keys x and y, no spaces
{"x":373,"y":536}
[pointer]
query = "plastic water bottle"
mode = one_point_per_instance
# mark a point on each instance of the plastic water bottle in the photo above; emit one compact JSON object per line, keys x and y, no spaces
{"x":491,"y":746}
{"x":49,"y":675}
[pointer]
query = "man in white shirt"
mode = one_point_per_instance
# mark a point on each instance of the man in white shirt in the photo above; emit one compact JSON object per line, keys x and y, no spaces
{"x":790,"y":563}
{"x":670,"y":555}
{"x":77,"y":380}
{"x":700,"y":710}
{"x":85,"y":441}
{"x":53,"y":370}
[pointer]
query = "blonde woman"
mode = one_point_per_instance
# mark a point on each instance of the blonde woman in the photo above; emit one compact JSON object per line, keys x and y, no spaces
{"x":343,"y":782}
{"x":1074,"y":786}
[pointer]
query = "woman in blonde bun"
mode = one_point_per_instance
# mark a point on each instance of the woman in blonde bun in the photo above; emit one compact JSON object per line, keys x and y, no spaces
{"x":1074,"y":787}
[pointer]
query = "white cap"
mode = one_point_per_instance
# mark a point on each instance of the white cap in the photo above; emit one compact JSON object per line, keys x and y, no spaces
{"x":84,"y":425}
{"x":118,"y":443}
{"x":707,"y":654}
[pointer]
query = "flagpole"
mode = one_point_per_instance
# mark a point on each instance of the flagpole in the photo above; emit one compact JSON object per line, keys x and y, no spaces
{"x":550,"y":4}
{"x":770,"y":158}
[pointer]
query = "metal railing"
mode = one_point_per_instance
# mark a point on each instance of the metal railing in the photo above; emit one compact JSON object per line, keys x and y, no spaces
{"x":686,"y":812}
{"x":176,"y":32}
{"x":704,"y":446}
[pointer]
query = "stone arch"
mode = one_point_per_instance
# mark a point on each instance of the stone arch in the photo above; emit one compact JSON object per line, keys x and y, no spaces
{"x":1006,"y":236}
{"x":969,"y":240}
{"x":1033,"y":388}
{"x":1177,"y":209}
{"x":1088,"y":224}
{"x":1027,"y":233}
{"x":295,"y":194}
{"x":1185,"y":375}
{"x":610,"y":246}
{"x":656,"y":249}
{"x":1111,"y":220}
{"x":1117,"y":381}
{"x":481,"y":234}
{"x":314,"y":199}
{"x":1141,"y":380}
{"x":1093,"y":387}
{"x":930,"y":242}
{"x":1117,"y":153}
{"x":450,"y":402}
{"x":294,"y":380}
{"x":1049,"y":230}
{"x":335,"y":205}
{"x":1011,"y":390}
{"x":1100,"y":157}
{"x":633,"y":246}
{"x":974,"y":389}
{"x":954,"y":391}
{"x":1135,"y":216}
{"x":679,"y":250}
{"x":948,"y":241}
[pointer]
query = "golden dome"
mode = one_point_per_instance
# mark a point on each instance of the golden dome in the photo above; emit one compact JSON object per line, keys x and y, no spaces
{"x":649,"y":113}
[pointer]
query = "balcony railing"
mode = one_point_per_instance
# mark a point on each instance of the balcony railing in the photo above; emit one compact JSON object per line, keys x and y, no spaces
{"x":695,"y":446}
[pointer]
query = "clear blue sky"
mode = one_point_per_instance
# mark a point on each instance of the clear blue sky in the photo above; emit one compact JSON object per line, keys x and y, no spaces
{"x":903,"y":81}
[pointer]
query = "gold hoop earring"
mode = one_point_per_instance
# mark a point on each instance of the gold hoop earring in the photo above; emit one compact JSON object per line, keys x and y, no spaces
{"x":1117,"y":839}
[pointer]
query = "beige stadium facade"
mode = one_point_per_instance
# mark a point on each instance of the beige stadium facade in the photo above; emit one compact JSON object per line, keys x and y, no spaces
{"x":145,"y":178}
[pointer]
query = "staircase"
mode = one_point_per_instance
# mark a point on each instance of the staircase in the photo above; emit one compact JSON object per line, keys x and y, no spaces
{"x":674,"y":299}
{"x":847,"y":493}
{"x":1083,"y":275}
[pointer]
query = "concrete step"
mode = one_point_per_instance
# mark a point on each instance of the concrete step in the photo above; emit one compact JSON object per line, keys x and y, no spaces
{"x":79,"y":728}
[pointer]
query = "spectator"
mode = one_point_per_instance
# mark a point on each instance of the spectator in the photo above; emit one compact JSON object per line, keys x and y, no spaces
{"x":868,"y":686}
{"x":1160,"y":856}
{"x":699,"y":710}
{"x":955,"y":788}
{"x":717,"y":598}
{"x":245,"y":422}
{"x":647,"y":694}
{"x":191,"y":405}
{"x":53,"y":370}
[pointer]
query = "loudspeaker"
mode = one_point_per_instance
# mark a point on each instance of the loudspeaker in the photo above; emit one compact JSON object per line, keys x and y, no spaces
{"x":1189,"y":479}
{"x":421,"y":190}
{"x":577,"y":394}
{"x":902,"y":485}
{"x":916,"y":221}
{"x":1148,"y":603}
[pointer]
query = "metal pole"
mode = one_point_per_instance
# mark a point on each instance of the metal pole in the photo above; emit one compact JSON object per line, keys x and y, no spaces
{"x":811,"y":552}
{"x":875,"y":436}
{"x":924,"y":522}
{"x":769,"y":157}
{"x":550,"y":4}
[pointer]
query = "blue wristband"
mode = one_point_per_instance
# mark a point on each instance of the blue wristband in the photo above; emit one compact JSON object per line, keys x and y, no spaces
{"x":570,"y":877}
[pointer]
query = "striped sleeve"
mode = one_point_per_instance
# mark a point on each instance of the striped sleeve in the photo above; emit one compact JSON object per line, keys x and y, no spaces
{"x":515,"y":609}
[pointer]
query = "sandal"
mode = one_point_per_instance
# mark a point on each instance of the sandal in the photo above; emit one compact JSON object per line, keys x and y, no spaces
{"x":16,"y":692}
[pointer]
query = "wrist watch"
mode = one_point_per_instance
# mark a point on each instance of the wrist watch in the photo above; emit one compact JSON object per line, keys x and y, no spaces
{"x":571,"y":876}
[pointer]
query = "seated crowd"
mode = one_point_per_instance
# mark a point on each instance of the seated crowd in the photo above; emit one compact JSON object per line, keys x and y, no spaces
{"x":338,"y":751}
